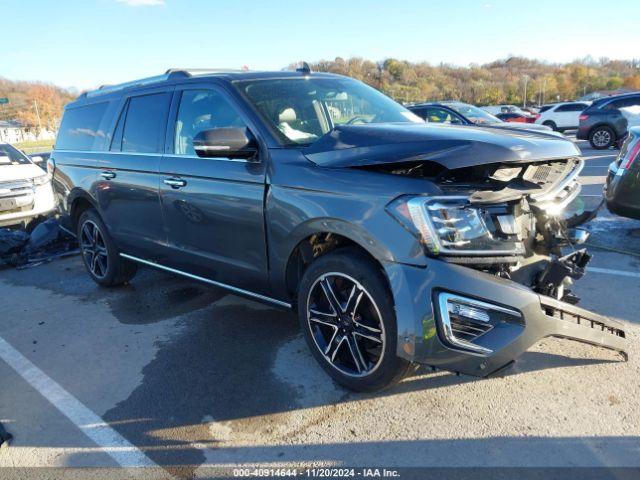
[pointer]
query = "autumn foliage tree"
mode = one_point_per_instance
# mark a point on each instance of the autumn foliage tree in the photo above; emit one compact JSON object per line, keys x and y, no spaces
{"x":35,"y":105}
{"x":502,"y":81}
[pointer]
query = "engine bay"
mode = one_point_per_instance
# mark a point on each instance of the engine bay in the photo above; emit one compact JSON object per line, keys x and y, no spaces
{"x":521,"y":227}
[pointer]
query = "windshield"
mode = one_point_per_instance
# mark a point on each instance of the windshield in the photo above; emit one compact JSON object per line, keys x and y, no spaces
{"x":474,"y":114}
{"x":12,"y":156}
{"x":301,"y":110}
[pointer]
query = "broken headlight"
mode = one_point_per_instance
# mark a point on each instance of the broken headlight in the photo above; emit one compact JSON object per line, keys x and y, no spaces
{"x":452,"y":226}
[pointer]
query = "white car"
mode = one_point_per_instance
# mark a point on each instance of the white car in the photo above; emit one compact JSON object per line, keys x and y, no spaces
{"x":25,"y":189}
{"x":562,"y":116}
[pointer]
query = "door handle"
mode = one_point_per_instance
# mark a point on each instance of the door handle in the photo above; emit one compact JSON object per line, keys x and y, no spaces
{"x":108,"y":174}
{"x":175,"y":182}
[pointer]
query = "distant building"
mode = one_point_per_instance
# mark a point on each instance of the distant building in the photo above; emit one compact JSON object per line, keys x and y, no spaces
{"x":12,"y":131}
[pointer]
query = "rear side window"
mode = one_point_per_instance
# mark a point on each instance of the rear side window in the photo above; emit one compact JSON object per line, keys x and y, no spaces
{"x":571,"y":107}
{"x":144,"y":123}
{"x":80,"y":128}
{"x":621,"y":103}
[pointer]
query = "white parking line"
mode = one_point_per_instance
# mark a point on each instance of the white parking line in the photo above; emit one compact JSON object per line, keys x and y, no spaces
{"x":110,"y":441}
{"x":609,"y":271}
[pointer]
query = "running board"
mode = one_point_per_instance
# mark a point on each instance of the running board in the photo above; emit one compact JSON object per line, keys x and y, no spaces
{"x":231,"y":288}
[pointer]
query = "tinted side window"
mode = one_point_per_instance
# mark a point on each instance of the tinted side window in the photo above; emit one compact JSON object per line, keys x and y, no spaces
{"x":545,"y":108}
{"x":419,"y":111}
{"x":440,"y":115}
{"x":564,"y":108}
{"x":202,"y":110}
{"x":144,"y":125}
{"x":80,"y":128}
{"x":571,"y":107}
{"x":623,"y":102}
{"x":630,"y":102}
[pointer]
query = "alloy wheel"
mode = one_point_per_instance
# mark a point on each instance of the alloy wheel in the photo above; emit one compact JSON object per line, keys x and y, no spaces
{"x":345,"y":324}
{"x":601,"y":138}
{"x":94,"y":250}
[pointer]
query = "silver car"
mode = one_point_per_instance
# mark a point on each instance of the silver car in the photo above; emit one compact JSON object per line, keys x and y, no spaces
{"x":25,"y":189}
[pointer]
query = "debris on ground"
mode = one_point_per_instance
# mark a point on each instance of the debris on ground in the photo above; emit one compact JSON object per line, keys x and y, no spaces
{"x":45,"y":242}
{"x":5,"y":437}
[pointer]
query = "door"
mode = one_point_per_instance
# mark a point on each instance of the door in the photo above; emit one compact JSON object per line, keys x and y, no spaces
{"x":567,"y":115}
{"x":213,"y":208}
{"x":128,"y":191}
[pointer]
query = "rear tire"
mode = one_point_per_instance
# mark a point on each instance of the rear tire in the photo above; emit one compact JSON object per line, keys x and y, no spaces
{"x":551,"y":125}
{"x":100,"y":255}
{"x":348,"y":319}
{"x":602,"y":137}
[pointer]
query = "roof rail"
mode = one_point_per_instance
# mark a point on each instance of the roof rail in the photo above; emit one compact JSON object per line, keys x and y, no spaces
{"x":170,"y":74}
{"x":104,"y":89}
{"x":203,"y":71}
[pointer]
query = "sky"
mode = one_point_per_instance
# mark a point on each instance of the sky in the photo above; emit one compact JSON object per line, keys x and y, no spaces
{"x":86,"y":43}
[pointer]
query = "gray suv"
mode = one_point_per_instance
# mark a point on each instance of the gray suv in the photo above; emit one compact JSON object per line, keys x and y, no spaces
{"x":397,"y":242}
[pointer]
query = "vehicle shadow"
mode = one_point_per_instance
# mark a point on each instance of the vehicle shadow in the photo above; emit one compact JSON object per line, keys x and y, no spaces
{"x":246,"y":365}
{"x":238,"y":368}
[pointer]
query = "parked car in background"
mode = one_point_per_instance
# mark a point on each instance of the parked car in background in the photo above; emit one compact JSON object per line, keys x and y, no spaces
{"x":458,"y":113}
{"x":40,"y":159}
{"x":25,"y":190}
{"x":603,"y":124}
{"x":622,"y":190}
{"x":496,"y":109}
{"x":394,"y":240}
{"x":532,"y":110}
{"x":516,"y":117}
{"x":562,"y":116}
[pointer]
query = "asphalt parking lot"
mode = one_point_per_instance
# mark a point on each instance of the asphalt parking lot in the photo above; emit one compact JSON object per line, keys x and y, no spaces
{"x":173,"y":373}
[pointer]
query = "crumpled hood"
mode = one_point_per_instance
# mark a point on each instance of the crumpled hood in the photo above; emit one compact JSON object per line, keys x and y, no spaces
{"x":451,"y":146}
{"x":9,"y":173}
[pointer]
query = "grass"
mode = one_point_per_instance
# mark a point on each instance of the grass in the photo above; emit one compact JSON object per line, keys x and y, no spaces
{"x":35,"y":145}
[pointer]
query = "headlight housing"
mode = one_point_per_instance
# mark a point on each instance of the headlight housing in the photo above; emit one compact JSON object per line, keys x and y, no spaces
{"x":450,"y":225}
{"x":41,"y":179}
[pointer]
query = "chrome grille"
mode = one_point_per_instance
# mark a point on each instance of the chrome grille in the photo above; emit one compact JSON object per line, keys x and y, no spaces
{"x":16,"y":189}
{"x":16,"y":196}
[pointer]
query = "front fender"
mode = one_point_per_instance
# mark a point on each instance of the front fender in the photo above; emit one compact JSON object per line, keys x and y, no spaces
{"x":295,"y":214}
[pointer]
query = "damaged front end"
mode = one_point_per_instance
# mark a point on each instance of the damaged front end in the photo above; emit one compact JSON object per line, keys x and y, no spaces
{"x":506,"y":220}
{"x":510,"y":222}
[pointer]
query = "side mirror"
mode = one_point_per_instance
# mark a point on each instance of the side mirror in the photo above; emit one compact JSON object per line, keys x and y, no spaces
{"x":37,"y":159}
{"x":226,"y":142}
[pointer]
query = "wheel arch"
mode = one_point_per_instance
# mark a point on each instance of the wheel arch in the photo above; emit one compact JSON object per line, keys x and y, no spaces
{"x":79,"y":202}
{"x":322,"y":236}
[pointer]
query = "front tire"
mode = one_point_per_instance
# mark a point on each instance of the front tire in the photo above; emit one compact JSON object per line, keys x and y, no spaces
{"x":100,"y":255}
{"x":602,"y":137}
{"x":551,"y":125}
{"x":348,"y":319}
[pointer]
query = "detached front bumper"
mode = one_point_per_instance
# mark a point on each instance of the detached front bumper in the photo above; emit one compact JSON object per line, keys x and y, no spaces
{"x":422,"y":337}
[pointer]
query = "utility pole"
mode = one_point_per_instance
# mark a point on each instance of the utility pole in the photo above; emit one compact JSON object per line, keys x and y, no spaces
{"x":35,"y":103}
{"x":526,"y":79}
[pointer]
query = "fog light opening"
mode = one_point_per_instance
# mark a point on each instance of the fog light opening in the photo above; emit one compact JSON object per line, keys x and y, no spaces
{"x":464,"y":320}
